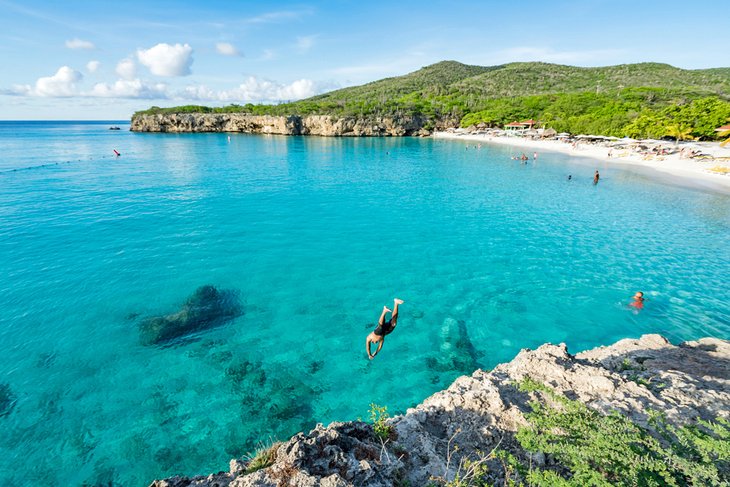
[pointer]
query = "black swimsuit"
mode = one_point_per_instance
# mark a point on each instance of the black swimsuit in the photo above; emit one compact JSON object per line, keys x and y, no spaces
{"x":385,"y":328}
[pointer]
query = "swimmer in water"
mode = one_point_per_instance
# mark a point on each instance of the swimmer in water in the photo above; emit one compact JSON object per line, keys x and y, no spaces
{"x":638,"y":302}
{"x":384,"y":328}
{"x":596,"y":177}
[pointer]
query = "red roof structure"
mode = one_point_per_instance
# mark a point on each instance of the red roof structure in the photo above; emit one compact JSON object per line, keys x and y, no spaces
{"x":723,"y":128}
{"x":527,"y":124}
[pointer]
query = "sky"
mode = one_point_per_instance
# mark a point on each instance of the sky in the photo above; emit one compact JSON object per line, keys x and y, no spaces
{"x":85,"y":60}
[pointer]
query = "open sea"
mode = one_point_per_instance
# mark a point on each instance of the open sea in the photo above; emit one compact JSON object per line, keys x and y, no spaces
{"x":314,"y":236}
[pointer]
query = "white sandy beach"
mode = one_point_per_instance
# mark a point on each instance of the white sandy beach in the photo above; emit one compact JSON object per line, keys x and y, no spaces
{"x":685,"y":171}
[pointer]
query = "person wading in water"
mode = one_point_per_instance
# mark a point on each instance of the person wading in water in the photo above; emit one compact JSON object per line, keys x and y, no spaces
{"x":384,"y":328}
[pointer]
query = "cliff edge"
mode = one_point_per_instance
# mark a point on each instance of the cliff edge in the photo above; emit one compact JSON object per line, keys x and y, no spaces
{"x":324,"y":125}
{"x":648,"y":391}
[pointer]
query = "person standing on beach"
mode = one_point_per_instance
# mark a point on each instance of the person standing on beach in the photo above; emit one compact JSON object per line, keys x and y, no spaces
{"x":384,"y":328}
{"x":596,"y":178}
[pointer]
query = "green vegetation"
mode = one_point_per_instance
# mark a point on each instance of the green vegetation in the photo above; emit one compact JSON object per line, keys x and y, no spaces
{"x":725,"y":133}
{"x":636,"y":100}
{"x":263,"y":457}
{"x":599,"y":449}
{"x":379,"y":416}
{"x":594,"y":449}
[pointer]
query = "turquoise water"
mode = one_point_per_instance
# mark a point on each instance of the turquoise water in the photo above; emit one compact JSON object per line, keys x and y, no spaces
{"x":315,"y":235}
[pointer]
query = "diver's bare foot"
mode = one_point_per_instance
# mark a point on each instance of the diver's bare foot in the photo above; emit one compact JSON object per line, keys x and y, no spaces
{"x":398,"y":301}
{"x":386,"y":309}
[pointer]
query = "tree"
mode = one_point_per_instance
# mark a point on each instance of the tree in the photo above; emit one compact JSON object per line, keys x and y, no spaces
{"x":725,"y":133}
{"x":679,"y":132}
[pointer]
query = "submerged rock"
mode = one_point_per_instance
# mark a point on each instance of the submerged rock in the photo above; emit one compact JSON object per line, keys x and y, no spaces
{"x":207,"y":307}
{"x":7,"y":400}
{"x":456,"y":350}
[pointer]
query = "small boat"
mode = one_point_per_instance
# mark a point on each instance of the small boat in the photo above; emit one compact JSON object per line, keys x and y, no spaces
{"x":114,"y":128}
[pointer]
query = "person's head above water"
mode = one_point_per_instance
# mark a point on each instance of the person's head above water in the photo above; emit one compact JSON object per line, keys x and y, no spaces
{"x":639,"y":296}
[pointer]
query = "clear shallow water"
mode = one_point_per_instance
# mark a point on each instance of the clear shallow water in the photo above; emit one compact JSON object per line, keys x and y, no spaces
{"x":316,"y":235}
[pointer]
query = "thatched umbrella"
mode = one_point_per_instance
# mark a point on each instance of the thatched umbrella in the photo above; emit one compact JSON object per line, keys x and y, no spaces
{"x":551,"y":132}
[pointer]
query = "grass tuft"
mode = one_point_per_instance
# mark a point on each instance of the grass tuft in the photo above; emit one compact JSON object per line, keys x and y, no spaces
{"x":263,"y":457}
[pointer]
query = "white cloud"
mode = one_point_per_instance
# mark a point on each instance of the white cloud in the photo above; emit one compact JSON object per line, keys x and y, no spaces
{"x":79,"y":44}
{"x":129,"y":89}
{"x":299,"y":89}
{"x":18,"y":90}
{"x":227,"y":49}
{"x":199,"y":92}
{"x":63,"y":83}
{"x":92,"y":66}
{"x":254,"y":89}
{"x":268,"y":54}
{"x":126,"y":69}
{"x":167,"y":60}
{"x":273,"y":17}
{"x":305,"y":43}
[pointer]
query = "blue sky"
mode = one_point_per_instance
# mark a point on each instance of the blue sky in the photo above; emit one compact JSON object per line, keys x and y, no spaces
{"x":105,"y":60}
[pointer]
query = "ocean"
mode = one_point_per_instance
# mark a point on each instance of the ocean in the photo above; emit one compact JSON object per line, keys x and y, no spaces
{"x":311,"y":237}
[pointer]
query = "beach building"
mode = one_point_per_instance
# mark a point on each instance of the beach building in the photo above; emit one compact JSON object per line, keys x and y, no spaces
{"x":520,"y":126}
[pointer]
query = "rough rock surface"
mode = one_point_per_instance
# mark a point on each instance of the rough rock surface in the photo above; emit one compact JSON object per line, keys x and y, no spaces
{"x":325,"y":125}
{"x":481,"y":411}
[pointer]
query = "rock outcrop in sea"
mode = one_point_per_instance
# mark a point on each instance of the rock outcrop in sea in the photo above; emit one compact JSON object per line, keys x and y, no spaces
{"x":207,"y":307}
{"x":325,"y":125}
{"x":636,"y":379}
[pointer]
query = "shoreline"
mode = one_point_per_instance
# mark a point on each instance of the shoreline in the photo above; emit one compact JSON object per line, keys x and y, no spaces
{"x":672,"y":168}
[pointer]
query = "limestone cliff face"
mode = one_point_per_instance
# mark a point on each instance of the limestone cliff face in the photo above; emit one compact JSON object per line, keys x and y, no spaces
{"x":484,"y":410}
{"x":325,"y":125}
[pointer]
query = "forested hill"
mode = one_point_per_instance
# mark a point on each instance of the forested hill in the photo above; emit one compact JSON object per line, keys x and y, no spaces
{"x":523,"y":79}
{"x":639,"y":100}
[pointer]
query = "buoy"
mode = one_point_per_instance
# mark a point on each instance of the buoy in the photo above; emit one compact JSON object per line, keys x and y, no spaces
{"x":116,"y":153}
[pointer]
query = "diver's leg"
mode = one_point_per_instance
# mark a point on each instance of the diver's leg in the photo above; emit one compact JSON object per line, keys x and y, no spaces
{"x":381,"y":321}
{"x":396,"y":302}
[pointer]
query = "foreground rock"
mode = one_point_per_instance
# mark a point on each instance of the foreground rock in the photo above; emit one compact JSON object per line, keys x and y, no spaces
{"x":325,"y":125}
{"x":207,"y":307}
{"x":485,"y":410}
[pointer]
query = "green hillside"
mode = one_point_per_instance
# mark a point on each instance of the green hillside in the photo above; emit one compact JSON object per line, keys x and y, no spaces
{"x":640,"y":100}
{"x":429,"y":80}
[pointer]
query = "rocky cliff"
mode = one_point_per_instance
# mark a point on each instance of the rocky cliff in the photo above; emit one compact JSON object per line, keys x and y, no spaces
{"x":455,"y":433}
{"x":325,"y":125}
